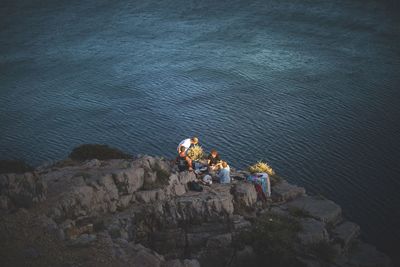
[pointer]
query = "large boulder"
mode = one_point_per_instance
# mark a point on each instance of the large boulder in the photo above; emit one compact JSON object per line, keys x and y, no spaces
{"x":345,"y":233}
{"x":199,"y":235}
{"x":245,"y":195}
{"x":145,"y":257}
{"x":169,"y":242}
{"x":238,"y":223}
{"x":200,"y":206}
{"x":321,"y":209}
{"x":21,"y":190}
{"x":148,"y":196}
{"x":128,"y":180}
{"x":185,"y":177}
{"x":284,"y":191}
{"x":366,"y":255}
{"x":181,"y":263}
{"x":312,"y":232}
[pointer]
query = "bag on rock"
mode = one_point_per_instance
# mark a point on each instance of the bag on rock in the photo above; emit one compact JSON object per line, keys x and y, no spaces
{"x":194,"y":186}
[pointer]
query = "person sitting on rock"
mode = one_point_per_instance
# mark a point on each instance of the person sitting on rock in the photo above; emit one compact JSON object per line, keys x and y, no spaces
{"x":187,"y":143}
{"x":213,"y":160}
{"x":183,"y":162}
{"x":224,"y":173}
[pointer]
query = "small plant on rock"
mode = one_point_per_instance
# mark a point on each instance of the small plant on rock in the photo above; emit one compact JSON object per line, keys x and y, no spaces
{"x":196,"y":152}
{"x":261,"y":167}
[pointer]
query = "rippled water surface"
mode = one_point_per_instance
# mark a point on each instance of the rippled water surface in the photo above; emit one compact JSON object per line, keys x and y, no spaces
{"x":310,"y":86}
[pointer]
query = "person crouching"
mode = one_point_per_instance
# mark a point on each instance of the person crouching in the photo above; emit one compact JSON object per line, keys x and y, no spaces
{"x":183,"y":162}
{"x":213,"y":160}
{"x":224,"y":173}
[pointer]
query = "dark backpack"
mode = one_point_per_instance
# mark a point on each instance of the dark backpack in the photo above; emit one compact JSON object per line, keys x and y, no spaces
{"x":193,"y":186}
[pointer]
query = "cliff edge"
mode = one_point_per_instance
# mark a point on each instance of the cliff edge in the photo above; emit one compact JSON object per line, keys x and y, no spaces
{"x":139,"y":212}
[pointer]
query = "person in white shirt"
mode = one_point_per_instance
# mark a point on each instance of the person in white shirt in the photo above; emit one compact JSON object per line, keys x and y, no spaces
{"x":187,"y":143}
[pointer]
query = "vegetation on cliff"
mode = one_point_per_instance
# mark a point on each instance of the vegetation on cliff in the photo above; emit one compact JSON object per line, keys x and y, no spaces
{"x":97,"y":151}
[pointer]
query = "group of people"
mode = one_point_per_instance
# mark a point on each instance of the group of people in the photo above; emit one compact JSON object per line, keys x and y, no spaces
{"x":216,"y":168}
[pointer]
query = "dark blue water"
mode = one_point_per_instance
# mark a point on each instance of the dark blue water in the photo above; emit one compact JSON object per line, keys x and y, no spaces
{"x":310,"y":86}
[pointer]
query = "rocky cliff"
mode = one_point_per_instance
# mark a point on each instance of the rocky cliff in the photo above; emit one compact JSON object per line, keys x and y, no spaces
{"x":140,"y":213}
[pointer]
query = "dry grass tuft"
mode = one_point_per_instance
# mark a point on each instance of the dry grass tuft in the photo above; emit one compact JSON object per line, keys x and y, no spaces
{"x":195,"y":152}
{"x":261,"y":167}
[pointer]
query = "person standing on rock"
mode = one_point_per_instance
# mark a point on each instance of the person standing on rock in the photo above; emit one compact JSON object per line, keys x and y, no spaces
{"x":187,"y":143}
{"x":224,"y":173}
{"x":183,"y":162}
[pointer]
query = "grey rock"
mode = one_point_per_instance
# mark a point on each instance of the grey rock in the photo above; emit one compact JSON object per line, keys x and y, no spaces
{"x":150,"y":177}
{"x":178,"y":189}
{"x":93,"y":163}
{"x":148,"y":196}
{"x":280,"y":211}
{"x":366,"y":255}
{"x":321,"y":209}
{"x":285,"y":191}
{"x":169,"y":241}
{"x":185,"y":177}
{"x":31,"y":253}
{"x":312,"y":232}
{"x":198,"y":235}
{"x":345,"y":233}
{"x":310,"y":262}
{"x":244,"y":257}
{"x":124,"y":201}
{"x":190,"y":263}
{"x":21,"y":190}
{"x":82,"y":241}
{"x":245,"y":194}
{"x":172,"y":263}
{"x":145,"y":257}
{"x":219,"y":241}
{"x":4,"y":202}
{"x":128,"y":180}
{"x":202,"y":205}
{"x":239,"y":223}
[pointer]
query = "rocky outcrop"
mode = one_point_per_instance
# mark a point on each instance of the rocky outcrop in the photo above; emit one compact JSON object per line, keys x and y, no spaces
{"x":142,"y":213}
{"x":245,"y":195}
{"x":345,"y":233}
{"x":284,"y":192}
{"x":312,"y":232}
{"x":319,"y":208}
{"x":21,"y":190}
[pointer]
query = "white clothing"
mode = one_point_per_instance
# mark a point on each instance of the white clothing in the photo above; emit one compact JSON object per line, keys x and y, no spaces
{"x":186,"y":143}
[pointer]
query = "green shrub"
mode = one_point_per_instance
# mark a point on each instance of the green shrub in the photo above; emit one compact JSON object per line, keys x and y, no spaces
{"x":96,"y":151}
{"x":261,"y":167}
{"x":195,"y":152}
{"x":273,"y":238}
{"x":14,"y":166}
